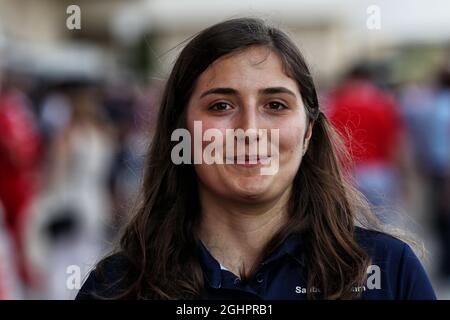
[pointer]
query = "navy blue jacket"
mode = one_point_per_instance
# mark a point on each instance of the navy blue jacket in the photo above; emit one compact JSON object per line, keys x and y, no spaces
{"x":395,"y":273}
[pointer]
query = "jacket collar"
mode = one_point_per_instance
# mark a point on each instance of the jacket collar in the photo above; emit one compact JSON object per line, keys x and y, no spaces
{"x":292,"y":246}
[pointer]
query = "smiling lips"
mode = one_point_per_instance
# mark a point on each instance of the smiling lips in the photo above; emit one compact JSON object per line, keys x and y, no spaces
{"x":248,"y":160}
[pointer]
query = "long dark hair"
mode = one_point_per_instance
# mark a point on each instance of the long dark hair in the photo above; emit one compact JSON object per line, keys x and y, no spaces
{"x":160,"y":242}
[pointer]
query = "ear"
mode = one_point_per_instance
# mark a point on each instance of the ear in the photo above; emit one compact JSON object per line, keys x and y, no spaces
{"x":307,"y":138}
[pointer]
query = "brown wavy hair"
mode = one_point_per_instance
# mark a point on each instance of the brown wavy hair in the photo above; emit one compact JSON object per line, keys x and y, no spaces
{"x":159,"y":242}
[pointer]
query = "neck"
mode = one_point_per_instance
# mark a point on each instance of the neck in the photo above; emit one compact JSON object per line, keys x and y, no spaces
{"x":236,"y":233}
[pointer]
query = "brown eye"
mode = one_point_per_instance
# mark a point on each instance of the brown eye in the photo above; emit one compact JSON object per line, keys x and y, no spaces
{"x":220,"y":106}
{"x":277,"y":106}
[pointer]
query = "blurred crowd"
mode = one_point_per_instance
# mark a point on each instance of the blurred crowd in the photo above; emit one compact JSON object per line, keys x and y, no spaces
{"x":398,"y":137}
{"x":72,"y":151}
{"x":71,"y":155}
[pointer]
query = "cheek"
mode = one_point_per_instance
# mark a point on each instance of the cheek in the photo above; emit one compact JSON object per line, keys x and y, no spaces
{"x":207,"y":122}
{"x":291,"y":145}
{"x":291,"y":138}
{"x":206,"y":172}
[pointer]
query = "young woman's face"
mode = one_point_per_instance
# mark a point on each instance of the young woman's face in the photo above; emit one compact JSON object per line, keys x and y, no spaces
{"x":250,"y":90}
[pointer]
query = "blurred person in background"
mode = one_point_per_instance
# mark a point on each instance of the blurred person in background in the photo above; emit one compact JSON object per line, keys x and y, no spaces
{"x":120,"y":104}
{"x":439,"y":166}
{"x":55,"y":113}
{"x":20,"y":152}
{"x":69,"y":226}
{"x":367,"y":118}
{"x":132,"y":112}
{"x":426,"y":110}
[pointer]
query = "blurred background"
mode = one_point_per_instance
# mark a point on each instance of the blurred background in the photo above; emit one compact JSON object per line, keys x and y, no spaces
{"x":79,"y":88}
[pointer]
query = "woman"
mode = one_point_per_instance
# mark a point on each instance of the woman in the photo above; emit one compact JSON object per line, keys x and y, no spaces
{"x":220,"y":230}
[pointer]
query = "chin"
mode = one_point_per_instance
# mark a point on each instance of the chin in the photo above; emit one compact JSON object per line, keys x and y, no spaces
{"x":251,"y":188}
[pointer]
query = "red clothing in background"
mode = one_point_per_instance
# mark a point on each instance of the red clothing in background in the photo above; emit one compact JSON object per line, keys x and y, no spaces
{"x":367,"y":118}
{"x":19,"y":155}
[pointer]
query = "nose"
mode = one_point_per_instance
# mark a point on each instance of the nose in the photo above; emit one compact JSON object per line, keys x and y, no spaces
{"x":249,"y":121}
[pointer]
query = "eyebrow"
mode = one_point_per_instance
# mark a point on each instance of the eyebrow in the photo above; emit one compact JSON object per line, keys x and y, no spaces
{"x":275,"y":90}
{"x":225,"y":91}
{"x":231,"y":91}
